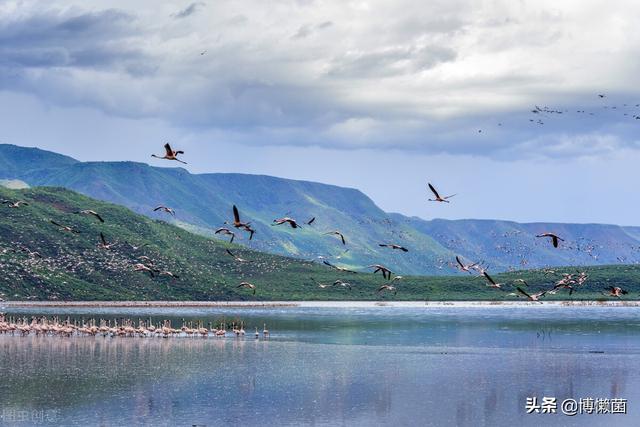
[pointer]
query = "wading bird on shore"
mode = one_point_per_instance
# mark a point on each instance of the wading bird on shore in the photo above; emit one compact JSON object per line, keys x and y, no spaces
{"x":170,"y":154}
{"x":393,"y":246}
{"x":438,"y":198}
{"x":248,"y":286}
{"x":554,"y":238}
{"x":92,"y":213}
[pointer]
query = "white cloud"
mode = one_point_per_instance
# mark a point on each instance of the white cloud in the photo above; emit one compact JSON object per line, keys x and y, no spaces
{"x":420,"y":76}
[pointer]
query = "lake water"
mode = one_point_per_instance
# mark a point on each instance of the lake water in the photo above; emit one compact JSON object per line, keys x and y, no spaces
{"x":330,"y":366}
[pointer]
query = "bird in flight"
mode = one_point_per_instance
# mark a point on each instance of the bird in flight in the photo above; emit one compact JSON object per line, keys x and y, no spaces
{"x":311,"y":221}
{"x":616,"y":291}
{"x":344,"y":270}
{"x":226,"y":231}
{"x":386,"y":273}
{"x":65,"y":227}
{"x":92,"y":213}
{"x":170,"y":154}
{"x":15,"y":204}
{"x":248,"y":286}
{"x":134,"y":247}
{"x":239,"y":224}
{"x":524,"y":282}
{"x":339,"y":234}
{"x":286,"y":220}
{"x":554,"y":238}
{"x":393,"y":246}
{"x":165,"y":209}
{"x":532,"y":297}
{"x":103,"y":242}
{"x":492,"y":283}
{"x":343,"y":284}
{"x":438,"y":198}
{"x":320,"y":285}
{"x":464,"y":267}
{"x":235,"y":257}
{"x":389,"y":288}
{"x":144,"y":268}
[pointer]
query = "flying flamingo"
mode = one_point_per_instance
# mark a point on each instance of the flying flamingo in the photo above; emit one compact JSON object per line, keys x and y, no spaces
{"x":554,"y":238}
{"x":165,"y":209}
{"x":386,"y":273}
{"x":286,"y":220}
{"x":224,"y":230}
{"x":438,"y":198}
{"x":393,"y":246}
{"x":170,"y":154}
{"x":339,"y":234}
{"x":248,"y":286}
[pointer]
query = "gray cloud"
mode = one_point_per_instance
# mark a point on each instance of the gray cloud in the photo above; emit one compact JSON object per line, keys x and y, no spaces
{"x":348,"y":76}
{"x":306,"y":30}
{"x":189,"y":10}
{"x":56,"y":39}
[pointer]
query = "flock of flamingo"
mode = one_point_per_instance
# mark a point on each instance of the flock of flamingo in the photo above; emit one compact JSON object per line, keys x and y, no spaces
{"x":570,"y":282}
{"x":44,"y":326}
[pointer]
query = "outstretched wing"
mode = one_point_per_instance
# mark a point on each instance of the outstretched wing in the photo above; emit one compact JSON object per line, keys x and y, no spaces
{"x":489,"y":278}
{"x":311,"y":221}
{"x":433,"y":190}
{"x":104,"y":241}
{"x":168,"y":149}
{"x":97,"y":215}
{"x":236,"y":214}
{"x":523,"y":292}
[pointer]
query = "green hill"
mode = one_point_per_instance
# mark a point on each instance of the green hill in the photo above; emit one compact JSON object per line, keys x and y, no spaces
{"x":203,"y":202}
{"x":71,"y":266}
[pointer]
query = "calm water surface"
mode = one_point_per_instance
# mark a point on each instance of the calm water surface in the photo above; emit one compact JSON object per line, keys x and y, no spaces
{"x":329,"y":366}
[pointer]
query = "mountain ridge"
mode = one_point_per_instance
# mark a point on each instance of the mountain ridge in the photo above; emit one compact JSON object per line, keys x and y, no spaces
{"x":203,"y":202}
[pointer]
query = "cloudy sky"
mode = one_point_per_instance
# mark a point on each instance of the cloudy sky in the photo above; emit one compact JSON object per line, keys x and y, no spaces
{"x":381,"y":96}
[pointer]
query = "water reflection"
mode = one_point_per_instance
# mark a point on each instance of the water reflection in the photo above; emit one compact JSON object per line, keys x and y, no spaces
{"x":376,"y":368}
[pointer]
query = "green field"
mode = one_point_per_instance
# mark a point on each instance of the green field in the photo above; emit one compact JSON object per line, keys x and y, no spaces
{"x":72,"y":267}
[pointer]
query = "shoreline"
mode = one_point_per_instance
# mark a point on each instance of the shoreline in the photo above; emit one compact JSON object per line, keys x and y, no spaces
{"x":308,"y":304}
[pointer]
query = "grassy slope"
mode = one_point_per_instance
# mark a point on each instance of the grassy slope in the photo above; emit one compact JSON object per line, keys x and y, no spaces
{"x":203,"y":202}
{"x":74,"y":268}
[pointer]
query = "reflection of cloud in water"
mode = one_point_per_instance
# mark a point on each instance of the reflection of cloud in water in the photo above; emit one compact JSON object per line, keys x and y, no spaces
{"x":441,"y":369}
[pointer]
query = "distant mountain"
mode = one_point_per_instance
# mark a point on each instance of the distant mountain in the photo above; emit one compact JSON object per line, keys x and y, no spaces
{"x":203,"y":202}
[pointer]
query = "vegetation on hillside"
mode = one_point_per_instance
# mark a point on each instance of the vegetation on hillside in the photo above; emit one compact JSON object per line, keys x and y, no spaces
{"x":41,"y":261}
